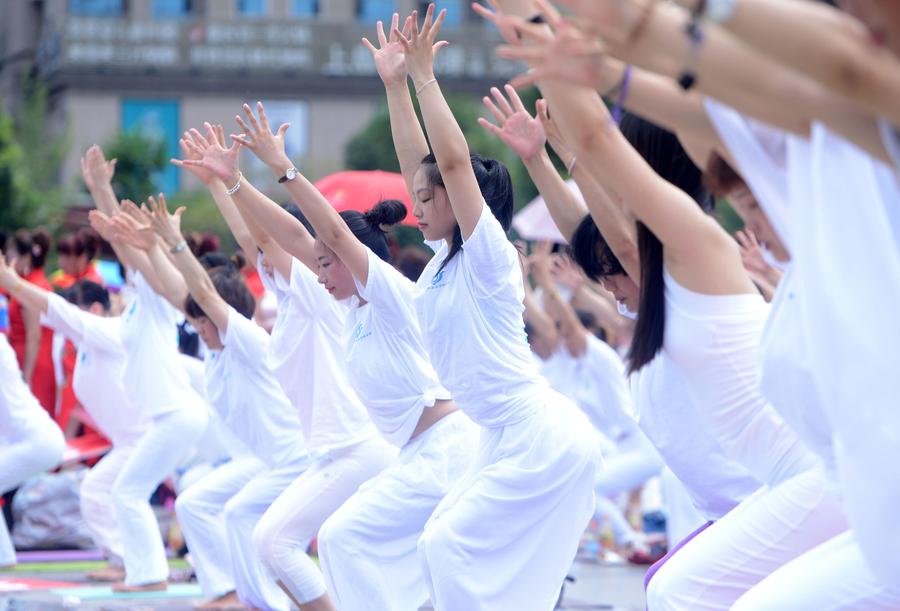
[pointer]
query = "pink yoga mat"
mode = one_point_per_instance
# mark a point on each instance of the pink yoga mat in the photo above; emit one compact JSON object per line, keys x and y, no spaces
{"x":18,"y":584}
{"x":67,"y":555}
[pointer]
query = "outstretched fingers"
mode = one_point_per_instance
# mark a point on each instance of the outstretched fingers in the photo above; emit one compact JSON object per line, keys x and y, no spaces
{"x":502,"y":102}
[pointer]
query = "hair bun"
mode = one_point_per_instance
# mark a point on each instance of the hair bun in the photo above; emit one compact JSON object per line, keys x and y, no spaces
{"x":385,"y":214}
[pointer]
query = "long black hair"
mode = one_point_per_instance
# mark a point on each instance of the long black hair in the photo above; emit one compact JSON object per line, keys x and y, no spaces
{"x":664,"y":153}
{"x":496,"y":188}
{"x":369,"y":227}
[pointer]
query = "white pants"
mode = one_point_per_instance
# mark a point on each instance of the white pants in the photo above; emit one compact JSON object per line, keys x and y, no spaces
{"x":832,"y":577}
{"x":21,"y":459}
{"x":769,"y":529}
{"x":682,"y":517}
{"x":367,"y":549}
{"x":168,"y":439}
{"x":506,"y":535}
{"x":97,"y":503}
{"x":633,"y":462}
{"x":219,"y":514}
{"x":293,"y":520}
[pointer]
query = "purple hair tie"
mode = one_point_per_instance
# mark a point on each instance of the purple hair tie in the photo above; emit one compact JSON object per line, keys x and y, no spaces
{"x":623,"y":95}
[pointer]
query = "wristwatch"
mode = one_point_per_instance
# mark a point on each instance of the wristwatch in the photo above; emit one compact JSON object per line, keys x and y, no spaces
{"x":289,"y":174}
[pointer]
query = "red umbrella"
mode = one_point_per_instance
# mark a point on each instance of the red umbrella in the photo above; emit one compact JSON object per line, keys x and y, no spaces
{"x":357,"y":190}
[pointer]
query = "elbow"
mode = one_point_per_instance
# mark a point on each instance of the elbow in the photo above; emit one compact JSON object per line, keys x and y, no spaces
{"x":594,"y":140}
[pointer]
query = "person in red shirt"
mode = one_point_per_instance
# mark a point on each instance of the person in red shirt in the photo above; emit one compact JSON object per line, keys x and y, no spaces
{"x":32,"y":343}
{"x":76,"y":259}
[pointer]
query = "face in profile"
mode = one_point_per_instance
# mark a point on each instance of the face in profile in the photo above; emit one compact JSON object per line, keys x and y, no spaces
{"x":333,"y":274}
{"x":624,"y":289}
{"x":432,"y":210}
{"x":207,"y":331}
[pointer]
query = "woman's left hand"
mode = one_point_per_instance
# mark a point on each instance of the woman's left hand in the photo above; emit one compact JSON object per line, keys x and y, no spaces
{"x":167,"y":226}
{"x":420,"y":48}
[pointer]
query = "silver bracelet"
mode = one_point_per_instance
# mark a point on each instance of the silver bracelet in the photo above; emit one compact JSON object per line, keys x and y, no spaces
{"x":571,"y":165}
{"x":180,"y":247}
{"x":424,"y":85}
{"x":236,"y":186}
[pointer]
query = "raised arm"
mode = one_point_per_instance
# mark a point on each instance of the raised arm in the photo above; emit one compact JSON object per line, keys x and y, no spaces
{"x":98,"y":173}
{"x":278,"y":234}
{"x":216,"y":188}
{"x":329,"y":226}
{"x":390,"y":62}
{"x":133,"y":227}
{"x":832,"y":47}
{"x":525,"y":136}
{"x":199,"y":284}
{"x":536,"y":316}
{"x":571,"y":330}
{"x":703,"y":256}
{"x":447,"y":140}
{"x":33,"y":297}
{"x":614,"y":219}
{"x":725,"y":67}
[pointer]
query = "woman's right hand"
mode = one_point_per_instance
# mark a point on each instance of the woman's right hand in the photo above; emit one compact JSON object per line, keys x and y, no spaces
{"x":209,"y":154}
{"x":517,"y":129}
{"x":95,"y":169}
{"x":258,"y":137}
{"x":194,"y":151}
{"x":390,"y":59}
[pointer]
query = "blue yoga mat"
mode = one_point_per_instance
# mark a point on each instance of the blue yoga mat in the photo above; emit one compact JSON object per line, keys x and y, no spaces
{"x":176,"y":590}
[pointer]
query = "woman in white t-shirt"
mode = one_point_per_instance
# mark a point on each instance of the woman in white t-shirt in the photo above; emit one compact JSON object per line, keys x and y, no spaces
{"x":305,"y":355}
{"x":220,"y":512}
{"x":666,"y":413}
{"x":506,"y":534}
{"x":30,"y":442}
{"x":98,"y":381}
{"x":698,"y":307}
{"x":176,"y":415}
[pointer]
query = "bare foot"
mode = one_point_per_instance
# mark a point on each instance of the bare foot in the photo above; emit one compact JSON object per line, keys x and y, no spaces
{"x":226,"y":602}
{"x":109,"y":573}
{"x":159,"y":586}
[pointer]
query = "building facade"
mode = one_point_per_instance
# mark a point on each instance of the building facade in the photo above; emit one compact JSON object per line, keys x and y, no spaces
{"x":163,"y":66}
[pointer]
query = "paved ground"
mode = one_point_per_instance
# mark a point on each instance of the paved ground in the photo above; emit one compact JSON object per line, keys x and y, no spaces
{"x":596,"y":587}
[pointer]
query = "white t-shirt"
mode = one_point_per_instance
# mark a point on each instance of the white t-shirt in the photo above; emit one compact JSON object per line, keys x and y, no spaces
{"x":762,"y":154}
{"x":714,"y":340}
{"x":596,"y":382}
{"x":99,"y":375}
{"x":247,"y":396}
{"x":20,"y":412}
{"x":471,"y":318}
{"x":150,"y":336}
{"x":787,"y":379}
{"x":386,"y":357}
{"x":306,"y":354}
{"x":668,"y":417}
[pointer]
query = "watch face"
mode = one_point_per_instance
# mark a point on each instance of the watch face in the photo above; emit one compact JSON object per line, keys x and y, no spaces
{"x":291,"y":174}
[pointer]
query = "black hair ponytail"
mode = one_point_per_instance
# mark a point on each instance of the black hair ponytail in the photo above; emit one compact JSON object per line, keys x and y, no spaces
{"x":371,"y":227}
{"x":496,"y":187}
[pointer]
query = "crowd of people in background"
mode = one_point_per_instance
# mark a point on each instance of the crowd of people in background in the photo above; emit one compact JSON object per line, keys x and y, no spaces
{"x":457,"y":427}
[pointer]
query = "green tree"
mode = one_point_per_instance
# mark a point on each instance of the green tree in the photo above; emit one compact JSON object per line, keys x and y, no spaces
{"x":31,"y":154}
{"x":138,"y":160}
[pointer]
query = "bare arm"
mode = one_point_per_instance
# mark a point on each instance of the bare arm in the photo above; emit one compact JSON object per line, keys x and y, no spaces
{"x":32,"y":297}
{"x":832,"y":47}
{"x":32,"y":320}
{"x":277,"y":233}
{"x":571,"y":330}
{"x":525,"y":136}
{"x":216,"y":188}
{"x":199,"y":284}
{"x":447,"y":140}
{"x":390,"y":61}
